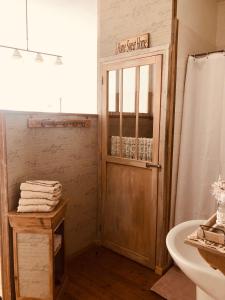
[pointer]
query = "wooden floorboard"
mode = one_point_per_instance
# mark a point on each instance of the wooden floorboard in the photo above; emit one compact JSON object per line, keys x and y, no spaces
{"x":100,"y":274}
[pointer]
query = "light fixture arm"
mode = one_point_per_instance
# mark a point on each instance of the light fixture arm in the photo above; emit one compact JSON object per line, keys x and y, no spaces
{"x":31,"y":51}
{"x":27,"y":32}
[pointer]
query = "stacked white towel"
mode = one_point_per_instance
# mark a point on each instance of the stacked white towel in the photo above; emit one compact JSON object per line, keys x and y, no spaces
{"x":39,"y":195}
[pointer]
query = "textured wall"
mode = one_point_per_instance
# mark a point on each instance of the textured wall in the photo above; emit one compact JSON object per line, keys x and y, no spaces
{"x":65,"y":154}
{"x":127,"y":18}
{"x":33,"y":265}
{"x":196,"y":34}
{"x":220,"y":36}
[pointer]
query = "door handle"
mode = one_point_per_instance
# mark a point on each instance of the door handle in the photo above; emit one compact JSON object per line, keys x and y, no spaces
{"x":151,"y":165}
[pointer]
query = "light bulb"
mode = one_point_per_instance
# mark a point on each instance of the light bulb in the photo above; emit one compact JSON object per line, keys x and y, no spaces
{"x":16,"y":54}
{"x":58,"y":60}
{"x":39,"y":58}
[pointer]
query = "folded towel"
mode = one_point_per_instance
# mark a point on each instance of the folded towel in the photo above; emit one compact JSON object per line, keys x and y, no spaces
{"x":40,"y":188}
{"x":41,"y":195}
{"x":35,"y":208}
{"x":43,"y":182}
{"x":26,"y":202}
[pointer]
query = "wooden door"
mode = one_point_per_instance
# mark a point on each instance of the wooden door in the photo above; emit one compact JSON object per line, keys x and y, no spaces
{"x":130,"y":156}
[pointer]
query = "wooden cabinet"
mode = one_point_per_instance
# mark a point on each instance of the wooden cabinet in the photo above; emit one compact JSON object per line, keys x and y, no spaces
{"x":38,"y":246}
{"x":131,"y":114}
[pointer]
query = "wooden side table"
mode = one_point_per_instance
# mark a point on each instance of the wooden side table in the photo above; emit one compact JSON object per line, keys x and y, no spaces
{"x":38,"y":250}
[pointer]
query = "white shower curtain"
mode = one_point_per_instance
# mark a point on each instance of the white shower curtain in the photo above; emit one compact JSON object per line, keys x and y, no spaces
{"x":202,"y":149}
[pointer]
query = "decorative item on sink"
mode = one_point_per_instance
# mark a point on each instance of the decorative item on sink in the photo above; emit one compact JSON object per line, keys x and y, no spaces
{"x":218,"y":191}
{"x":209,"y":238}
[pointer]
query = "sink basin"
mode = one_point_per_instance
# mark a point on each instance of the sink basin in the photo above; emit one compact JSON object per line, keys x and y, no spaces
{"x":210,"y":283}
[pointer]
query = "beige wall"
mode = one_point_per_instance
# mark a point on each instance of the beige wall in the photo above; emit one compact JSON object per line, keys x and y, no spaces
{"x":123,"y":19}
{"x":196,"y":34}
{"x":65,"y":154}
{"x":64,"y":27}
{"x":220,"y":36}
{"x":199,"y":19}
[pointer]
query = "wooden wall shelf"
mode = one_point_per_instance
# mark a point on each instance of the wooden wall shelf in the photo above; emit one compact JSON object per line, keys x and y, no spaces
{"x":56,"y":123}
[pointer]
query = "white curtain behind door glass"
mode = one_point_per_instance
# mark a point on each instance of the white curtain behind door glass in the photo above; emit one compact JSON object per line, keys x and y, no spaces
{"x":202,"y":151}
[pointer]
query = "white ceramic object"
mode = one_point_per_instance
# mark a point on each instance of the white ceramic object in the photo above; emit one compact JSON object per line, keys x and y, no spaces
{"x":210,"y":283}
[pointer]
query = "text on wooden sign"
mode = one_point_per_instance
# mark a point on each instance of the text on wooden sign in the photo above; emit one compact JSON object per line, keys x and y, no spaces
{"x":134,"y":43}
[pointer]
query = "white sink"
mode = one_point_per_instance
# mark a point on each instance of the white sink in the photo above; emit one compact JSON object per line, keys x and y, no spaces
{"x":210,"y":283}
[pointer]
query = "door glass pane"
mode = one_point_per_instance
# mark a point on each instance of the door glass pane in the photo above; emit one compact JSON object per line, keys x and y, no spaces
{"x":112,"y":91}
{"x":129,"y":90}
{"x":129,"y":114}
{"x":145,"y":120}
{"x":134,"y":143}
{"x":144,"y":89}
{"x":113,"y":113}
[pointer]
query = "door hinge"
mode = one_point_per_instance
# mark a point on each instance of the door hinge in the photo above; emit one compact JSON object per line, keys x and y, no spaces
{"x":102,"y":80}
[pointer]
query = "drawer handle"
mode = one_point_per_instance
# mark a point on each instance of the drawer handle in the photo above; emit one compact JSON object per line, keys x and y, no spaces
{"x":151,"y":165}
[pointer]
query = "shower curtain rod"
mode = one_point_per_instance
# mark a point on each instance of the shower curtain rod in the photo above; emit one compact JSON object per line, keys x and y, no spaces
{"x":207,"y":53}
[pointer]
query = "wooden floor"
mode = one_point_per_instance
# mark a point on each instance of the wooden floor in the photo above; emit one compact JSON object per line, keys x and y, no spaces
{"x":100,"y":274}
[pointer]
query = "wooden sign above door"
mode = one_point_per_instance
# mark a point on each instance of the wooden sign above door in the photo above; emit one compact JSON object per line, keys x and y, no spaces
{"x":133,"y":43}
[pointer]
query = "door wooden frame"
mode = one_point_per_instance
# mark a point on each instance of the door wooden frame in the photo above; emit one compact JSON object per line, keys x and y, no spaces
{"x":151,"y":59}
{"x":163,"y":211}
{"x":4,"y":224}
